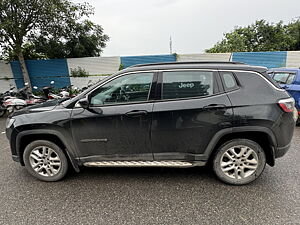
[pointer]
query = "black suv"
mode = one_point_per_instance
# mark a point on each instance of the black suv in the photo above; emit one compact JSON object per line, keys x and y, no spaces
{"x":161,"y":115}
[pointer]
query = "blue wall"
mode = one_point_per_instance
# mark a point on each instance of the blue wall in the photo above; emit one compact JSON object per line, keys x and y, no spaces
{"x":267,"y":59}
{"x":133,"y":60}
{"x":42,"y":72}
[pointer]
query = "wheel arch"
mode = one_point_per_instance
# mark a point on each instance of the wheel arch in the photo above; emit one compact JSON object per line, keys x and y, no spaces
{"x":262,"y":135}
{"x":26,"y":137}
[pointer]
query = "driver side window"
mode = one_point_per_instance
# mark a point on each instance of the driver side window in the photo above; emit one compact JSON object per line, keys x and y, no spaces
{"x":128,"y":88}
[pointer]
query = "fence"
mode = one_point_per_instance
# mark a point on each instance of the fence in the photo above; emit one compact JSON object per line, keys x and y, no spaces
{"x":6,"y":76}
{"x":42,"y":72}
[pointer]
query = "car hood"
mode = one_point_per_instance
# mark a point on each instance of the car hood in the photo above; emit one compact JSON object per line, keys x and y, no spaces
{"x":46,"y":106}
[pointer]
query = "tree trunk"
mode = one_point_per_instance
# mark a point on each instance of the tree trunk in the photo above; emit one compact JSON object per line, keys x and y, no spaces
{"x":24,"y":70}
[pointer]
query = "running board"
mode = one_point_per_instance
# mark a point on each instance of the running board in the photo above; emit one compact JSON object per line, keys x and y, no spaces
{"x":142,"y":164}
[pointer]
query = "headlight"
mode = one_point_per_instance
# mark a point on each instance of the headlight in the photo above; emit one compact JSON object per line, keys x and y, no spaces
{"x":9,"y":122}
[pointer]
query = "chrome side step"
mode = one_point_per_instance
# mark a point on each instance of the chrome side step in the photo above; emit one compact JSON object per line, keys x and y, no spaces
{"x":142,"y":164}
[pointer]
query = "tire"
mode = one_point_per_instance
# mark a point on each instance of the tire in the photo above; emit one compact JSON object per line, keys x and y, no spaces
{"x":298,"y":122}
{"x":231,"y":167}
{"x":45,"y":161}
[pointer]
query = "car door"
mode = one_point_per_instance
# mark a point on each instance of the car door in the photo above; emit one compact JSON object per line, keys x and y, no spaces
{"x":116,"y":126}
{"x":191,"y":111}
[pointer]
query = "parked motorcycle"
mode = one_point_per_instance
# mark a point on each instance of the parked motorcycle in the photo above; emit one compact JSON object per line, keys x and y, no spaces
{"x":13,"y":104}
{"x":13,"y":101}
{"x":9,"y":102}
{"x":63,"y":93}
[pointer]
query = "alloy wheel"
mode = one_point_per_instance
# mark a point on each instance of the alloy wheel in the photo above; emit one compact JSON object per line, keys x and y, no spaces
{"x":45,"y":161}
{"x":239,"y":162}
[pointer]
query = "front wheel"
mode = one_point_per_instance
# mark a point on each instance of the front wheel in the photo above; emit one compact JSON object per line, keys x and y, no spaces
{"x":45,"y":161}
{"x":239,"y":161}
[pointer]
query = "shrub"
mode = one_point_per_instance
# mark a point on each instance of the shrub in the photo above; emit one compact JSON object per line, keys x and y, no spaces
{"x":79,"y":72}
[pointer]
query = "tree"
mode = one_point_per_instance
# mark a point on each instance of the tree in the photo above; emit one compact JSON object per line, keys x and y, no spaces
{"x":84,"y":39}
{"x":294,"y":30}
{"x":23,"y":21}
{"x":260,"y":36}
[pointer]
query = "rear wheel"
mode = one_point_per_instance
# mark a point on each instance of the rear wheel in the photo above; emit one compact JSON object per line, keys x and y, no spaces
{"x":45,"y":161}
{"x":239,"y":161}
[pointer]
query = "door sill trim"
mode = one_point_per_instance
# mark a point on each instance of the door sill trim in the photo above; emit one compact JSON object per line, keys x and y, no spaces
{"x":178,"y":164}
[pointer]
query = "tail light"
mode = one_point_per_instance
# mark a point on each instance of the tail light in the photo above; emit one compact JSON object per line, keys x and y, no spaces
{"x":287,"y":105}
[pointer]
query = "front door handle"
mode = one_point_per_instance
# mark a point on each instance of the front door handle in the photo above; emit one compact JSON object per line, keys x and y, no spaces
{"x":215,"y":106}
{"x":136,"y":113}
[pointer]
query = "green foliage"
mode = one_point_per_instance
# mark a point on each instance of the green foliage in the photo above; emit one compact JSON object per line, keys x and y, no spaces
{"x":121,"y":67}
{"x":29,"y":52}
{"x":260,"y":36}
{"x":176,"y":56}
{"x":48,"y":29}
{"x":83,"y":39}
{"x":79,"y":72}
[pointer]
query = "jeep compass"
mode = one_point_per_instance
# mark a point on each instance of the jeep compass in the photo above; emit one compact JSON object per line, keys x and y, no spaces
{"x":229,"y":115}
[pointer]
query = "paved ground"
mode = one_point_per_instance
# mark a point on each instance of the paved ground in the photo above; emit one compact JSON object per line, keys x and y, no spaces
{"x":149,"y":196}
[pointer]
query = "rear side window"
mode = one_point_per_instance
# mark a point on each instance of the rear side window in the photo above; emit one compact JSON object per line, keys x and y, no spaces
{"x":229,"y":81}
{"x":284,"y":78}
{"x":185,"y":84}
{"x":269,"y":77}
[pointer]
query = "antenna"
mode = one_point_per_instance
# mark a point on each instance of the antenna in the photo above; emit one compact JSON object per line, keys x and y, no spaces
{"x":171,"y":45}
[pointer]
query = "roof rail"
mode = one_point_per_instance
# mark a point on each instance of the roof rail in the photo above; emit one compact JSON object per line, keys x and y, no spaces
{"x":188,"y":62}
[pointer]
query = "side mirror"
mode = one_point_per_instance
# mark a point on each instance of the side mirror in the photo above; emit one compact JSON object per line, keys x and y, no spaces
{"x":84,"y":103}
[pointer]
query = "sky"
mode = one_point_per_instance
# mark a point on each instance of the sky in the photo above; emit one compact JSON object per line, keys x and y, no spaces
{"x":144,"y":27}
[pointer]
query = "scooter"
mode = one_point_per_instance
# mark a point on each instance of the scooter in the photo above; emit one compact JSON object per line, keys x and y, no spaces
{"x":32,"y":99}
{"x":4,"y":100}
{"x":12,"y":103}
{"x":62,"y":94}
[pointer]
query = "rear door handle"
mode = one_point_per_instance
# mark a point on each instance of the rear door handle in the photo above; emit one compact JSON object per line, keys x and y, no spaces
{"x":135,"y":113}
{"x":215,"y":106}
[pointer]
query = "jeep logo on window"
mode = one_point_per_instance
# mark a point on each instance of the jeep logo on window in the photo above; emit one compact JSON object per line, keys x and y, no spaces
{"x":188,"y":85}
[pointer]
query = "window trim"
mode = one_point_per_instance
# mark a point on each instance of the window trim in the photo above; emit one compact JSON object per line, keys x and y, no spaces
{"x":153,"y":84}
{"x":215,"y":83}
{"x":157,"y":97}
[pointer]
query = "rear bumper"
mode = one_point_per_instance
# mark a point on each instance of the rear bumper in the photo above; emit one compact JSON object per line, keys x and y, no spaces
{"x":281,"y":151}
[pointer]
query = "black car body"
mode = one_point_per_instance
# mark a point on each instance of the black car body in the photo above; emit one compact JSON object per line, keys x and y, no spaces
{"x":176,"y":114}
